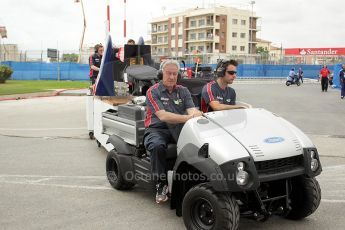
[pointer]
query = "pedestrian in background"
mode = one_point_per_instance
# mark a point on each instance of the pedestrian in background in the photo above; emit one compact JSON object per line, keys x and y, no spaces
{"x":300,"y":74}
{"x":324,"y":74}
{"x":95,"y":62}
{"x":342,"y":81}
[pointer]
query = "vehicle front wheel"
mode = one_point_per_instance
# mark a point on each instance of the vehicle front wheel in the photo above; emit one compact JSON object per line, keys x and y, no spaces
{"x":205,"y":209}
{"x":305,"y":197}
{"x":288,"y":83}
{"x":114,"y":174}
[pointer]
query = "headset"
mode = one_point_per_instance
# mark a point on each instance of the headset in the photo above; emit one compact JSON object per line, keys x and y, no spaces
{"x":160,"y":71}
{"x":221,"y":68}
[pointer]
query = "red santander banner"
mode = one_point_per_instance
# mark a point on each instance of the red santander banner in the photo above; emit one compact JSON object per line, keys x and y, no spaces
{"x":315,"y":51}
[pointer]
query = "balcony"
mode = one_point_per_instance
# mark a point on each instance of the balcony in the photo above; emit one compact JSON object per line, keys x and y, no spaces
{"x":206,"y":26}
{"x":159,"y":31}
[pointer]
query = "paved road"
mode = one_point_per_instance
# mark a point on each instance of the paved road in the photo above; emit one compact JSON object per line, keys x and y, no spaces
{"x":52,"y":176}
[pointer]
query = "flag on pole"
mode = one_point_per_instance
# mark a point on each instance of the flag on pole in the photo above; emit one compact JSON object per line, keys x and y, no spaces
{"x":104,"y":85}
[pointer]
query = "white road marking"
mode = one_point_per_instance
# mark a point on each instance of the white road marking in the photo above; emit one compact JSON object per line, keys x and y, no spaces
{"x":40,"y":129}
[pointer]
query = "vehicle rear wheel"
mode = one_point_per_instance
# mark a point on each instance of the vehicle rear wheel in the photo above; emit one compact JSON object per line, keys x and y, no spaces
{"x":205,"y":209}
{"x":305,"y":197}
{"x":298,"y":83}
{"x":114,"y":174}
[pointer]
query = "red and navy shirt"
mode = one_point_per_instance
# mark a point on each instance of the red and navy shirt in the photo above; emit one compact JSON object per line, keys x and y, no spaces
{"x":212,"y":92}
{"x":95,"y":59}
{"x":324,"y":72}
{"x":159,"y":98}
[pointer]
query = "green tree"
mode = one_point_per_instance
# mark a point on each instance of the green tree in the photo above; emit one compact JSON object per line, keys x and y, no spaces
{"x":70,"y":57}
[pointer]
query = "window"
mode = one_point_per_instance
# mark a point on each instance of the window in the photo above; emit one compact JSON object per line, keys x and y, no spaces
{"x":172,"y":37}
{"x":243,"y":35}
{"x":234,"y":34}
{"x":234,"y":48}
{"x":165,"y":27}
{"x":201,"y":36}
{"x":180,"y":37}
{"x":180,"y":24}
{"x":243,"y":22}
{"x":159,"y":50}
{"x":192,"y":36}
{"x":201,"y":22}
{"x":180,"y":49}
{"x":159,"y":28}
{"x":154,"y":28}
{"x":234,"y":21}
{"x":223,"y":48}
{"x":242,"y":48}
{"x":222,"y":35}
{"x":192,"y":48}
{"x":172,"y":25}
{"x":160,"y":39}
{"x":166,"y":39}
{"x":192,"y":23}
{"x":173,"y":49}
{"x":201,"y":48}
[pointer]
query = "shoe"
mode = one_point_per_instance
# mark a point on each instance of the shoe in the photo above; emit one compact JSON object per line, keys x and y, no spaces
{"x":162,"y":193}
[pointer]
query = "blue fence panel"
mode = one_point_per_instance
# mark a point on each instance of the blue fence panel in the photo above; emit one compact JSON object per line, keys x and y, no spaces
{"x":80,"y":72}
{"x":336,"y":70}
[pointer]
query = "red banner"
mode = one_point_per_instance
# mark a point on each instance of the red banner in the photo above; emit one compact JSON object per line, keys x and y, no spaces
{"x":315,"y":51}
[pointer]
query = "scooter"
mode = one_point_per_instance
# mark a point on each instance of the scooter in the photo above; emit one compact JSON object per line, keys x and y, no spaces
{"x":292,"y":81}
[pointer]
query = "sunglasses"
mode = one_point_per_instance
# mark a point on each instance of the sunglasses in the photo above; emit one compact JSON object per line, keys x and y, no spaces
{"x":231,"y":72}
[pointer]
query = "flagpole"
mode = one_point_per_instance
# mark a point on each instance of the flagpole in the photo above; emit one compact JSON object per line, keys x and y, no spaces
{"x":108,"y":15}
{"x":124,"y":23}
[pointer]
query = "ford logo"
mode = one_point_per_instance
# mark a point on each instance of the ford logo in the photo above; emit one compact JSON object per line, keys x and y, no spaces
{"x":272,"y":140}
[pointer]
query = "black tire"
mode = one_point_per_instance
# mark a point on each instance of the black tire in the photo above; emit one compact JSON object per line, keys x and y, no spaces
{"x":288,"y":83}
{"x":298,"y":83}
{"x":305,"y":197}
{"x":114,"y":174}
{"x":204,"y":209}
{"x":91,"y":135}
{"x":98,"y":144}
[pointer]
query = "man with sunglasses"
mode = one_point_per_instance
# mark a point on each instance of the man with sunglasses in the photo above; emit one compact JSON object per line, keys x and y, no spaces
{"x":218,"y":95}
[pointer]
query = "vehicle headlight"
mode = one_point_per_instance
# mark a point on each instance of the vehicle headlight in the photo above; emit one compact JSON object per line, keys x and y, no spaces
{"x":314,"y":164}
{"x":242,"y":178}
{"x":312,"y":154}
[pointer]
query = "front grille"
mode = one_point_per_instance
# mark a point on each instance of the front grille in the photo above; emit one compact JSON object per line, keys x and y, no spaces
{"x":279,"y":165}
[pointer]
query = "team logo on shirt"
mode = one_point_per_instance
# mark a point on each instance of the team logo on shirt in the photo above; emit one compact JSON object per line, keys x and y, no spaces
{"x":164,"y":99}
{"x":228,"y":100}
{"x":219,"y":98}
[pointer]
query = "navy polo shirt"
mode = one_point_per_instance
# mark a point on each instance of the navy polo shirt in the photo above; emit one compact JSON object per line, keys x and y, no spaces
{"x":95,"y":59}
{"x":212,"y":92}
{"x":159,"y":98}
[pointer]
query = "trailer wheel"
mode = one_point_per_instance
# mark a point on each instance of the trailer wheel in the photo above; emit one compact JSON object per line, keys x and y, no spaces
{"x":203,"y":208}
{"x":305,"y":197}
{"x":91,"y":135}
{"x":114,"y":174}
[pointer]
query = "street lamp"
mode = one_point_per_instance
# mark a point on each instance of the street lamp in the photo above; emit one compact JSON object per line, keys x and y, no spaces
{"x":84,"y":27}
{"x":3,"y":34}
{"x":251,"y":29}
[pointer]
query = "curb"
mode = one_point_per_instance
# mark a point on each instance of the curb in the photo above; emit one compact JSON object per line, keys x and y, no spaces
{"x":39,"y":94}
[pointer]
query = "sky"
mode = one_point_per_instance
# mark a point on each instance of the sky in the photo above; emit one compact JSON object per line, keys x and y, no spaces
{"x":42,"y":24}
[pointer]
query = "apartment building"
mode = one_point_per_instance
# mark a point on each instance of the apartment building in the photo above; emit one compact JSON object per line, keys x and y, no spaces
{"x":213,"y":33}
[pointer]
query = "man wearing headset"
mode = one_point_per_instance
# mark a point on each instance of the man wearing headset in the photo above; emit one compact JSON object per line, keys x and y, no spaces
{"x":218,"y":95}
{"x":169,"y":106}
{"x":95,"y":62}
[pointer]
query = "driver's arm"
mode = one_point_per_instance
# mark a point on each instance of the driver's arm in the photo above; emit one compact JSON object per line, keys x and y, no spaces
{"x":216,"y":106}
{"x":172,"y":118}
